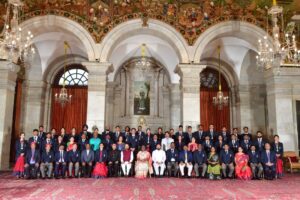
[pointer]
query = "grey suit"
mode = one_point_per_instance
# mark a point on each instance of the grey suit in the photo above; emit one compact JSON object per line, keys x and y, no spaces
{"x":87,"y":160}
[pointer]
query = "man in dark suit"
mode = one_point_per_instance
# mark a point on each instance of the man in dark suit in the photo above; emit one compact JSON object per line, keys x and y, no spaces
{"x":85,"y":131}
{"x":246,"y":143}
{"x":73,"y":159}
{"x":32,"y":160}
{"x":61,"y":160}
{"x":225,"y":134}
{"x":153,"y":143}
{"x":207,"y":144}
{"x":227,"y":159}
{"x":117,"y":134}
{"x":82,"y":142}
{"x":42,"y":133}
{"x":36,"y":139}
{"x":172,"y":160}
{"x":133,"y":141}
{"x":186,"y":160}
{"x":199,"y":135}
{"x":255,"y":163}
{"x":189,"y":135}
{"x":268,"y":159}
{"x":180,"y":132}
{"x":87,"y":159}
{"x":246,"y":132}
{"x":200,"y":159}
{"x":259,"y":142}
{"x":233,"y":143}
{"x":147,"y":138}
{"x":47,"y":162}
{"x":114,"y":158}
{"x":212,"y":133}
{"x":107,"y":143}
{"x":47,"y":141}
{"x":140,"y":132}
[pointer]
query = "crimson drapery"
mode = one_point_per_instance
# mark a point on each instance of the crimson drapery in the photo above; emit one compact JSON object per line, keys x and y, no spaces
{"x":16,"y":118}
{"x":209,"y":113}
{"x":72,"y":114}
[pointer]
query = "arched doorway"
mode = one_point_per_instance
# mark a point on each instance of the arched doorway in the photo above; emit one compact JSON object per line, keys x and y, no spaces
{"x":209,"y":113}
{"x":73,"y":114}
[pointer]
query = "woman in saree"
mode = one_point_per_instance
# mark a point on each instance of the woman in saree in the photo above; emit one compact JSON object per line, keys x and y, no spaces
{"x":100,"y":170}
{"x":214,"y":168}
{"x":193,"y":146}
{"x":143,"y":163}
{"x":242,"y":170}
{"x":278,"y":149}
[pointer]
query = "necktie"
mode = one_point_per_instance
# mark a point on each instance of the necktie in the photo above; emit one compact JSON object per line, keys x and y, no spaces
{"x":61,"y":155}
{"x":268,"y":154}
{"x":32,"y":155}
{"x":186,"y":156}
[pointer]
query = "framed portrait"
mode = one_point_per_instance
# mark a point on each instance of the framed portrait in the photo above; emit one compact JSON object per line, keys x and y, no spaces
{"x":141,"y":97}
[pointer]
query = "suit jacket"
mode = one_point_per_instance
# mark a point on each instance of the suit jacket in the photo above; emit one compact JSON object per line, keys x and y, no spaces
{"x":73,"y":156}
{"x":207,"y":146}
{"x":200,"y":157}
{"x":259,"y":147}
{"x":264,"y":157}
{"x":179,"y":146}
{"x":47,"y":157}
{"x":57,"y":156}
{"x":278,"y":149}
{"x":254,"y":157}
{"x":36,"y":156}
{"x":219,"y":146}
{"x":115,"y":136}
{"x":81,"y":144}
{"x":183,"y":134}
{"x":38,"y":142}
{"x":42,"y":135}
{"x":147,"y":139}
{"x":153,"y":144}
{"x":212,"y":135}
{"x":100,"y":159}
{"x":226,"y":136}
{"x":226,"y":158}
{"x":56,"y":146}
{"x":234,"y":147}
{"x":188,"y":138}
{"x":199,"y":136}
{"x":107,"y":144}
{"x":133,"y":141}
{"x":20,"y":148}
{"x":171,"y":155}
{"x":245,"y":146}
{"x":114,"y":155}
{"x":182,"y":156}
{"x":87,"y":157}
{"x":45,"y":142}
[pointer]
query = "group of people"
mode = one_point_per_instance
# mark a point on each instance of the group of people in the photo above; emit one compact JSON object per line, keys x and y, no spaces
{"x":132,"y":152}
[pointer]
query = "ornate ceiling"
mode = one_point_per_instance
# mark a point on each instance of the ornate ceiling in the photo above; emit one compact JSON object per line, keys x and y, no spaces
{"x":189,"y":17}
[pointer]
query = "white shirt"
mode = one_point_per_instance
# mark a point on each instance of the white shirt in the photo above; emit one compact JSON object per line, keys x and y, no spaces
{"x":166,"y":143}
{"x":159,"y":156}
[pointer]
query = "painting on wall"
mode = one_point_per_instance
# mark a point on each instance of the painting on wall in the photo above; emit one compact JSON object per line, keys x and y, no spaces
{"x":141,"y":98}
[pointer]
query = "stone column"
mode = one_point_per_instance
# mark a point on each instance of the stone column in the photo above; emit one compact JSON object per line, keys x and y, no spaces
{"x":96,"y":93}
{"x":282,"y":92}
{"x":7,"y":96}
{"x":190,"y":93}
{"x":175,"y":105}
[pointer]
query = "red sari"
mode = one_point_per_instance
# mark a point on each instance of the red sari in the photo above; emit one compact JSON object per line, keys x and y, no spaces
{"x":242,"y":170}
{"x":19,"y":166}
{"x":279,"y":166}
{"x":100,"y":169}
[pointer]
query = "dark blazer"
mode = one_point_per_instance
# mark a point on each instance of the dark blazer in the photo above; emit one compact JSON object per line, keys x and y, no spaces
{"x":20,"y":148}
{"x":182,"y":156}
{"x":56,"y":146}
{"x":81,"y":144}
{"x":219,"y":145}
{"x":45,"y":142}
{"x":38,"y":142}
{"x":133,"y":141}
{"x":57,"y":156}
{"x":87,"y":158}
{"x":264,"y":157}
{"x":243,"y":134}
{"x":147,"y":139}
{"x":206,"y":146}
{"x":115,"y":136}
{"x":212,"y":135}
{"x":200,"y":157}
{"x":259,"y":147}
{"x":87,"y":133}
{"x":254,"y":157}
{"x":226,"y":136}
{"x":179,"y":146}
{"x":234,"y":147}
{"x":245,"y":146}
{"x":278,"y":149}
{"x":226,"y":158}
{"x":97,"y":156}
{"x":153,"y":144}
{"x":114,"y":155}
{"x":76,"y":137}
{"x":42,"y":135}
{"x":107,"y":144}
{"x":199,"y":136}
{"x":73,"y":156}
{"x":171,"y":155}
{"x":36,"y":156}
{"x":65,"y":138}
{"x":47,"y":157}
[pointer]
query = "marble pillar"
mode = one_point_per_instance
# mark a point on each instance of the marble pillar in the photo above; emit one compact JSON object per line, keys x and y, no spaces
{"x":190,"y":93}
{"x":7,"y":94}
{"x":282,"y":92}
{"x":97,"y":93}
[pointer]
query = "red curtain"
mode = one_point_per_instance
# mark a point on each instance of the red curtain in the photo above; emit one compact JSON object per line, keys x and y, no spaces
{"x":209,"y":113}
{"x":16,"y":118}
{"x":72,"y":114}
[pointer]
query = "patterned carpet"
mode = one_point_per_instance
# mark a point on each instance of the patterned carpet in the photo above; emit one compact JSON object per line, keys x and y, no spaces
{"x":162,"y":188}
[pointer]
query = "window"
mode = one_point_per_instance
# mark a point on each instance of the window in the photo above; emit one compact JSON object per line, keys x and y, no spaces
{"x":74,"y":77}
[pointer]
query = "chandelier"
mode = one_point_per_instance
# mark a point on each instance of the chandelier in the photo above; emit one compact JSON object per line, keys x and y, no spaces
{"x":63,"y":97}
{"x":143,"y":63}
{"x":220,"y":100}
{"x":284,"y":51}
{"x":15,"y":45}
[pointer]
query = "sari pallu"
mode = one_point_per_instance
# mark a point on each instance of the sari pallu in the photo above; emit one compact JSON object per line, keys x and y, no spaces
{"x":100,"y":170}
{"x":242,"y":170}
{"x":214,"y":170}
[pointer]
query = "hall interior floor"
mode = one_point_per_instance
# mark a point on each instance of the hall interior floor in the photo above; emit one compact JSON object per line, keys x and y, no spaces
{"x":151,"y":188}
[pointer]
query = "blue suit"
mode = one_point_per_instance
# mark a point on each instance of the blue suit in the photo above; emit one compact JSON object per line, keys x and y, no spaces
{"x":73,"y":156}
{"x":200,"y":157}
{"x":254,"y":157}
{"x":278,"y":149}
{"x":246,"y":146}
{"x":226,"y":158}
{"x":171,"y":155}
{"x":100,"y":159}
{"x":260,"y":146}
{"x":20,"y":148}
{"x":270,"y":171}
{"x":61,"y":162}
{"x":182,"y":156}
{"x":32,"y":163}
{"x":47,"y":157}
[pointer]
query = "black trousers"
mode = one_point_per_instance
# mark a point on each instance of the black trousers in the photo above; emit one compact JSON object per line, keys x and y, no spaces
{"x":31,"y":171}
{"x":113,"y":168}
{"x":87,"y":169}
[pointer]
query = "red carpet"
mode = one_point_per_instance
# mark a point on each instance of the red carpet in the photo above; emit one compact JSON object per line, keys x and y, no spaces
{"x":165,"y":188}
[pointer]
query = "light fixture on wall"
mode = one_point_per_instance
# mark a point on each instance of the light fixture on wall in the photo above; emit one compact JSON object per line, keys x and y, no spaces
{"x":63,"y":97}
{"x":220,"y":100}
{"x":15,"y":45}
{"x":285,"y":51}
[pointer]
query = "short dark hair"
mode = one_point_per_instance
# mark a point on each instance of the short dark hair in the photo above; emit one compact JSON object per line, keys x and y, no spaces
{"x":35,"y":130}
{"x":180,"y":126}
{"x":189,"y":127}
{"x":41,"y":126}
{"x":276,"y":136}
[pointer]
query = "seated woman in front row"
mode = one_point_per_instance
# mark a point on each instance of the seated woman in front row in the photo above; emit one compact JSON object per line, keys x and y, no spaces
{"x":214,"y":165}
{"x":143,"y":163}
{"x":242,"y":170}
